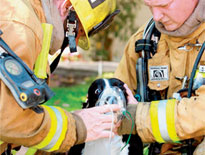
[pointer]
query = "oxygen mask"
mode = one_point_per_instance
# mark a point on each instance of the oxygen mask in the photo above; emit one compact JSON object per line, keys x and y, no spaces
{"x":113,"y":95}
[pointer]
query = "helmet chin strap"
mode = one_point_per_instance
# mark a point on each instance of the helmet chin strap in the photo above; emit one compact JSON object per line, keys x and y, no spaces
{"x":70,"y":36}
{"x":71,"y":29}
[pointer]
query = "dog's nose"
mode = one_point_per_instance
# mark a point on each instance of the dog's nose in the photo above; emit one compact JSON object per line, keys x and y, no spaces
{"x":111,"y":100}
{"x":108,"y":100}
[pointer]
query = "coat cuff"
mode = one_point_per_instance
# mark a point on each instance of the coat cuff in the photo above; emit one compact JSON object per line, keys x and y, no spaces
{"x":81,"y":131}
{"x":126,"y":124}
{"x":143,"y":122}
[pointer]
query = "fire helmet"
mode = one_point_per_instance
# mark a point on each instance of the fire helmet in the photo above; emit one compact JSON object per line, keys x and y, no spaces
{"x":94,"y":15}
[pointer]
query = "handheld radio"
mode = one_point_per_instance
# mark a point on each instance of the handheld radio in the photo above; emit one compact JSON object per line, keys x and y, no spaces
{"x":28,"y":90}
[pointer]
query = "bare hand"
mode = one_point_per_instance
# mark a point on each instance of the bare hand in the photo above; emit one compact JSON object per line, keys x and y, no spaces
{"x":131,"y":99}
{"x":97,"y":122}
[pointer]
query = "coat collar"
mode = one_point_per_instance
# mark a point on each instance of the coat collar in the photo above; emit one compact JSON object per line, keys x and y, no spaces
{"x":190,"y":25}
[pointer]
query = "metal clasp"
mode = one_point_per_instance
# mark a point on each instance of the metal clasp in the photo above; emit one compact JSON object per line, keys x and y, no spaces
{"x":184,"y":81}
{"x":70,"y":29}
{"x":190,"y":45}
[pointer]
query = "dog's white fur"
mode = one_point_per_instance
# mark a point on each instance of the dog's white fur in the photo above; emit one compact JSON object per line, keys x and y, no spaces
{"x":106,"y":146}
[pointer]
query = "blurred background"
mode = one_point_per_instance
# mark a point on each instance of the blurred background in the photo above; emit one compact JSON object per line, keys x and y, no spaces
{"x":76,"y":71}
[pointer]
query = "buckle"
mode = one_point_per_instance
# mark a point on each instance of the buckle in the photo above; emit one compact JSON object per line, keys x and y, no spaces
{"x":189,"y":46}
{"x":71,"y":29}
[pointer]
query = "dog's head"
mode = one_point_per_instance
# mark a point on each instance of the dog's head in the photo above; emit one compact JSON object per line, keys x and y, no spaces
{"x":111,"y":88}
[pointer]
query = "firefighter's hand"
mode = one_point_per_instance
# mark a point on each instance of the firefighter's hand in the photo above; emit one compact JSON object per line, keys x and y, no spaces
{"x":124,"y":126}
{"x":97,"y":122}
{"x":130,"y":98}
{"x":127,"y":124}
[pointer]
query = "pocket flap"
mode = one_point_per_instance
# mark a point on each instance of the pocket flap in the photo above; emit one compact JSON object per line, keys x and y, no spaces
{"x":158,"y":71}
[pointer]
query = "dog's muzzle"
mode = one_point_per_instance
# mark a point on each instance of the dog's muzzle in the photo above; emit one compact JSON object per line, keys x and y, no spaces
{"x":112,"y":95}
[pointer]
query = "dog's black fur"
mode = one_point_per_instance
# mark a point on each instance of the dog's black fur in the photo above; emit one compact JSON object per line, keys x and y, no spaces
{"x":97,"y":87}
{"x":94,"y":92}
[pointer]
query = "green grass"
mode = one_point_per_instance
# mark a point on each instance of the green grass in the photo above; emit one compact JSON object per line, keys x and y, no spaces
{"x":69,"y":98}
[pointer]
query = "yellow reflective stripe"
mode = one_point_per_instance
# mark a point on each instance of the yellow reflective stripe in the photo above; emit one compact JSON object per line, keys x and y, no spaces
{"x":201,"y":74}
{"x":197,"y":71}
{"x":52,"y":130}
{"x":154,"y":121}
{"x":170,"y":115}
{"x":63,"y":132}
{"x":1,"y":142}
{"x":58,"y":129}
{"x":42,"y":60}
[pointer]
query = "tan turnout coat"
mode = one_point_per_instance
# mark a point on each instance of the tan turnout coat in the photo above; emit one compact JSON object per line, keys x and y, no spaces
{"x":20,"y":21}
{"x":189,"y":112}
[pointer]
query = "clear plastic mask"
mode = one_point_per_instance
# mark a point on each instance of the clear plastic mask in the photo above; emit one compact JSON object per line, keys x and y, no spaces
{"x":112,"y":95}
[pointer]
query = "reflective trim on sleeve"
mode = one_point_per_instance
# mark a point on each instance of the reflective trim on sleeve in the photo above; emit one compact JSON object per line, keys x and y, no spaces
{"x":163,"y":121}
{"x":1,"y":142}
{"x":154,"y":121}
{"x":57,"y":131}
{"x":171,"y":120}
{"x":52,"y":130}
{"x":63,"y":131}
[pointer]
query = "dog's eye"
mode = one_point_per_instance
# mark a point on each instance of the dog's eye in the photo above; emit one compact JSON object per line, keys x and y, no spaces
{"x":97,"y":91}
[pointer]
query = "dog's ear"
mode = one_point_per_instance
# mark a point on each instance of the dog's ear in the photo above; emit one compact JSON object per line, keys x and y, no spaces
{"x":94,"y":91}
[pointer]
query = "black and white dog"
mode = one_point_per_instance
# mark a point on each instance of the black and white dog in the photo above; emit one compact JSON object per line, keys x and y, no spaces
{"x":135,"y":146}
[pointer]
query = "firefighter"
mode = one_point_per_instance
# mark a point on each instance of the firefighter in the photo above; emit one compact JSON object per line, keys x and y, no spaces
{"x":170,"y":110}
{"x":53,"y":129}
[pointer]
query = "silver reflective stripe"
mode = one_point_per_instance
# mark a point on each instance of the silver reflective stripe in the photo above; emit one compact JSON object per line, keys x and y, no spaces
{"x":58,"y":130}
{"x":162,"y":120}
